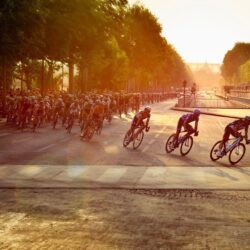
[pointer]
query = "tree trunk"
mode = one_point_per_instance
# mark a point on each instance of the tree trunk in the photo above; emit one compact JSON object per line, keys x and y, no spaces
{"x":42,"y":78}
{"x":71,"y":76}
{"x":50,"y":83}
{"x":4,"y":87}
{"x":62,"y":77}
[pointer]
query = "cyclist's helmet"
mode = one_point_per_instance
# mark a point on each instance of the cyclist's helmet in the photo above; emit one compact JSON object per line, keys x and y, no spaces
{"x":197,"y":112}
{"x":247,"y":118}
{"x":147,"y":109}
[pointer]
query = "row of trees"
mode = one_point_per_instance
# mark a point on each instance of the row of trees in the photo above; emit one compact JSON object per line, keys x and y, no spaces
{"x":236,"y":64}
{"x":103,"y":44}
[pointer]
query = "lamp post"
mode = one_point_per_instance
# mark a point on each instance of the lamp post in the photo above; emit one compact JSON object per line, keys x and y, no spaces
{"x":184,"y":87}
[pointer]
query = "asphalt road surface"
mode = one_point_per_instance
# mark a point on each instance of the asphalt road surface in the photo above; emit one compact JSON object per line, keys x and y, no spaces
{"x":56,"y":147}
{"x":99,"y":195}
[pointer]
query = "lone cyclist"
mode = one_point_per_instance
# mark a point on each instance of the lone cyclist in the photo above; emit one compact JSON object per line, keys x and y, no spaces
{"x":138,"y":120}
{"x":233,"y":129}
{"x":185,"y":121}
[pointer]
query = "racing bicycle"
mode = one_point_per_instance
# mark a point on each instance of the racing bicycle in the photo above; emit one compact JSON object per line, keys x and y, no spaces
{"x":136,"y":137}
{"x":185,"y":142}
{"x":234,"y":147}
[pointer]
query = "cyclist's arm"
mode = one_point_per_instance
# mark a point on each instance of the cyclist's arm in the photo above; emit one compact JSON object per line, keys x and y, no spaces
{"x":246,"y":133}
{"x":196,"y":125}
{"x":139,"y":120}
{"x":147,"y":122}
{"x":185,"y":124}
{"x":236,"y":132}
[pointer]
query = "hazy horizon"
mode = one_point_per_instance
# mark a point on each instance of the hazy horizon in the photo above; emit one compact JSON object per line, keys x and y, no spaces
{"x":202,"y":30}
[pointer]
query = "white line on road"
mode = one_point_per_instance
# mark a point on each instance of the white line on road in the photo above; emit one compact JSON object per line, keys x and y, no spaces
{"x":45,"y":148}
{"x":112,"y":175}
{"x":4,"y":134}
{"x":145,"y":149}
{"x":156,"y":136}
{"x":66,"y":139}
{"x":21,"y":140}
{"x":221,"y":126}
{"x":153,"y":140}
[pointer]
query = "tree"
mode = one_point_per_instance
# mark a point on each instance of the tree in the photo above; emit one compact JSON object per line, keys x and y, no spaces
{"x":232,"y":61}
{"x":21,"y":31}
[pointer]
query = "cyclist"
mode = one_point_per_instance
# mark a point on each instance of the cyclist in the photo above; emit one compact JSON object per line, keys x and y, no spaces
{"x":232,"y":129}
{"x":73,"y":112}
{"x":58,"y":109}
{"x":138,"y":120}
{"x":96,"y":115}
{"x":185,"y":121}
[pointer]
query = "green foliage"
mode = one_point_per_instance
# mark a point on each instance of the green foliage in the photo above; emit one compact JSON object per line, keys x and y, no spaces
{"x":110,"y":43}
{"x":232,"y":61}
{"x":245,"y":72}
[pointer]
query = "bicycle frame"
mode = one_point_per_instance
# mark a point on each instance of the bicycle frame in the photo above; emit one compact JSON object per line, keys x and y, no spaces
{"x":231,"y":146}
{"x":182,"y":138}
{"x":140,"y":128}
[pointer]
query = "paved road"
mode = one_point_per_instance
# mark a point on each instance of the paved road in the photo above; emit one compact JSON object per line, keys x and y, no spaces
{"x":53,"y":154}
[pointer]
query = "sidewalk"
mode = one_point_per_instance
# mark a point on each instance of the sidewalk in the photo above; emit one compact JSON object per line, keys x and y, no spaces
{"x":125,"y":177}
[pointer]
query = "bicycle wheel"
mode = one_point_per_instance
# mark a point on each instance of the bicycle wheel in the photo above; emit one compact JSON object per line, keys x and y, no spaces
{"x":138,"y":140}
{"x":214,"y":150}
{"x":110,"y":118}
{"x":90,"y":133}
{"x":99,"y":127}
{"x":186,"y":145}
{"x":237,"y":153}
{"x":55,"y":121}
{"x":70,"y":126}
{"x":126,"y":139}
{"x":34,"y":126}
{"x":169,"y":147}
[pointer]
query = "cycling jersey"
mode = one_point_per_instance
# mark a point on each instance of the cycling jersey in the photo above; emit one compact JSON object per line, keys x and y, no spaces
{"x":233,"y":128}
{"x":139,"y":117}
{"x":239,"y":124}
{"x":187,"y":118}
{"x":74,"y":109}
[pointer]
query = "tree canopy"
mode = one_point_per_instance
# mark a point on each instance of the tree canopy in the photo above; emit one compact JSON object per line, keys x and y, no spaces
{"x":232,"y":61}
{"x":103,"y":43}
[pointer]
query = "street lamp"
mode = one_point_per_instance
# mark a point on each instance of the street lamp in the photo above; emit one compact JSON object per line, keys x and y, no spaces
{"x":184,"y":87}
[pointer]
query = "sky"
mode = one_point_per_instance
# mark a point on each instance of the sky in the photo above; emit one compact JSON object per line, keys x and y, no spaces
{"x":202,"y":30}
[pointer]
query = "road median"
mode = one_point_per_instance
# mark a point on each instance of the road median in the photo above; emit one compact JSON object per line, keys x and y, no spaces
{"x":217,"y":112}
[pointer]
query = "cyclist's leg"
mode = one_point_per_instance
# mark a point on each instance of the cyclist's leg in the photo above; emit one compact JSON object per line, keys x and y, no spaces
{"x":178,"y":130}
{"x":225,"y":138}
{"x":190,"y":129}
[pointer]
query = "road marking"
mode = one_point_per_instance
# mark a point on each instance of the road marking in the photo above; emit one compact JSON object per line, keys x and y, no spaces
{"x":153,"y":140}
{"x":21,"y":140}
{"x":156,"y":136}
{"x":145,"y":149}
{"x":152,"y":174}
{"x":112,"y":175}
{"x":4,"y":134}
{"x":221,"y":126}
{"x":45,"y":148}
{"x":66,"y":139}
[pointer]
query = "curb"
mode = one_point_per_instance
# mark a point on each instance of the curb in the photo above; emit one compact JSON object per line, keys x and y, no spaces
{"x":240,"y":103}
{"x":206,"y":113}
